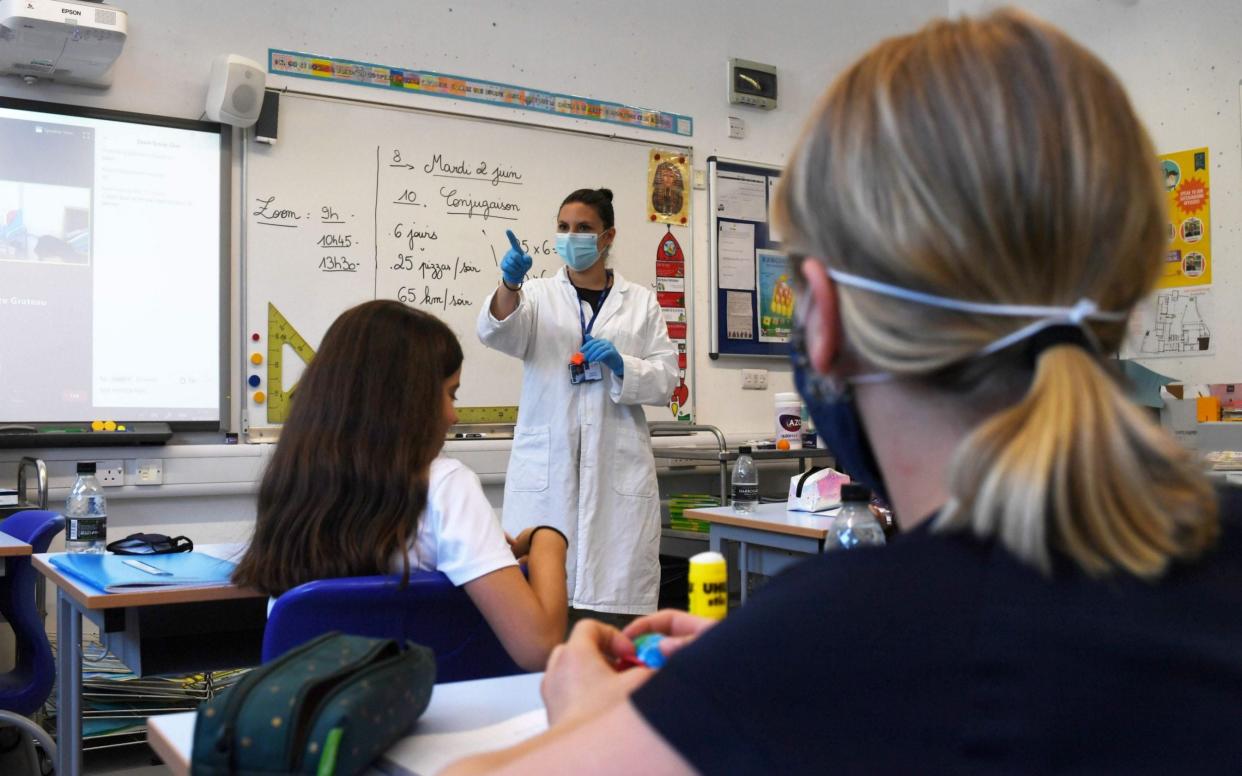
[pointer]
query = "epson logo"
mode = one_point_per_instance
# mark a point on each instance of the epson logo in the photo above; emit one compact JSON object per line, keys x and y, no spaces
{"x":71,"y":11}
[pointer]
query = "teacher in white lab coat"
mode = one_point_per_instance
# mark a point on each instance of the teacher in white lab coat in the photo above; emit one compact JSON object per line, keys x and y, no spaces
{"x":595,"y":348}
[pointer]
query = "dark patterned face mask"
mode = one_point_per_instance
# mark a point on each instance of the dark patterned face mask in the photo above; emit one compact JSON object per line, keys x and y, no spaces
{"x":150,"y":544}
{"x":836,"y":417}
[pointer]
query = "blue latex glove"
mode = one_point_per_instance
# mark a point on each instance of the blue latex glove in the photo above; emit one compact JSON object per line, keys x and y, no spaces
{"x":515,"y":264}
{"x":604,"y":352}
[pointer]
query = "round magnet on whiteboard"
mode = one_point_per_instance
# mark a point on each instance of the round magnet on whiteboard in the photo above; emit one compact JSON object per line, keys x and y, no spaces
{"x":256,"y":358}
{"x":97,"y":425}
{"x":254,"y":381}
{"x":657,"y":157}
{"x":120,"y":427}
{"x":683,"y":219}
{"x":255,"y":336}
{"x":652,"y":216}
{"x":109,"y":425}
{"x":259,"y":397}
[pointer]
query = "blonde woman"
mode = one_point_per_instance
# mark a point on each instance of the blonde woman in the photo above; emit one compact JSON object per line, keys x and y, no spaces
{"x":979,"y":211}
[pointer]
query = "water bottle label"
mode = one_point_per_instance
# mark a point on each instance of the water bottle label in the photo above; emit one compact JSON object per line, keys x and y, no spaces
{"x":86,"y":529}
{"x":745,"y":492}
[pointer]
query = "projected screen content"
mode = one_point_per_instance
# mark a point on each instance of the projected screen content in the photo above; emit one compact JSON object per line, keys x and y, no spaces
{"x":110,"y":262}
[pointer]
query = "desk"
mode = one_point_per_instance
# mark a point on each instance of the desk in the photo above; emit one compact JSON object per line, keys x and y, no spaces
{"x":455,"y":707}
{"x":769,"y":539}
{"x":12,"y":548}
{"x":157,"y":631}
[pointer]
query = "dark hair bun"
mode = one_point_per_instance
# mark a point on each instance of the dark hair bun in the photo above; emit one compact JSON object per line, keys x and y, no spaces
{"x":606,"y":194}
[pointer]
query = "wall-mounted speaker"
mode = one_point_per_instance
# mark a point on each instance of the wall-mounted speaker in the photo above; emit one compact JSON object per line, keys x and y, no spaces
{"x":235,"y":94}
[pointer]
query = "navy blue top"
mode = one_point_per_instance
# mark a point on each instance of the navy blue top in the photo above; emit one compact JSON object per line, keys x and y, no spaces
{"x":942,"y":653}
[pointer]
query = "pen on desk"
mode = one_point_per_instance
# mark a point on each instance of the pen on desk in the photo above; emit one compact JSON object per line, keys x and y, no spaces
{"x":147,"y":567}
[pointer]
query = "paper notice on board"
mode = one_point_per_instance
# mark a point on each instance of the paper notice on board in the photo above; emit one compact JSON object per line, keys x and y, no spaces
{"x":739,"y":316}
{"x":776,"y":297}
{"x":1172,"y":323}
{"x":737,"y":255}
{"x":774,"y":235}
{"x":742,"y":196}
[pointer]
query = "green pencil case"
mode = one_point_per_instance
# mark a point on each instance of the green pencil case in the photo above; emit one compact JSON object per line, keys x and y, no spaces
{"x":330,"y":706}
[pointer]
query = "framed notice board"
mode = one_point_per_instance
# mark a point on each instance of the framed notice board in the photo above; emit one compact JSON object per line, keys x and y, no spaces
{"x":751,"y":287}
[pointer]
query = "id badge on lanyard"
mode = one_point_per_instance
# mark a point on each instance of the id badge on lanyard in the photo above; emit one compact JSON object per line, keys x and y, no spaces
{"x":581,"y":370}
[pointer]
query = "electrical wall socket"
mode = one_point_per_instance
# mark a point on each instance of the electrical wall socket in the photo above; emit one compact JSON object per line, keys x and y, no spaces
{"x":148,"y":471}
{"x":754,"y":379}
{"x":111,"y":474}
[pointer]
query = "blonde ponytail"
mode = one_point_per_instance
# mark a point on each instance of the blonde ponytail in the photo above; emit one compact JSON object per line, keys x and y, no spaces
{"x":1076,"y":467}
{"x":995,"y":160}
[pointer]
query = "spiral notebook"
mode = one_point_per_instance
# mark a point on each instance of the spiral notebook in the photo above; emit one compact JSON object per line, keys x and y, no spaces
{"x":125,"y":573}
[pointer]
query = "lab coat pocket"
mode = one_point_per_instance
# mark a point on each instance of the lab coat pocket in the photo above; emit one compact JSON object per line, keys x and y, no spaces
{"x":633,"y":469}
{"x":528,"y":463}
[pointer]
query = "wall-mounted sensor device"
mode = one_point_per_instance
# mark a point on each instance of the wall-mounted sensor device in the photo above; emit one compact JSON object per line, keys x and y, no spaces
{"x":752,"y":83}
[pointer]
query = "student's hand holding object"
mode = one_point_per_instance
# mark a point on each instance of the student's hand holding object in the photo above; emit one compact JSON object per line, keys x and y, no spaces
{"x":582,"y":677}
{"x":678,"y":628}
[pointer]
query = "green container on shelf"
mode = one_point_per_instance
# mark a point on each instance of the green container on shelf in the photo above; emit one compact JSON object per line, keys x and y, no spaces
{"x":678,"y":504}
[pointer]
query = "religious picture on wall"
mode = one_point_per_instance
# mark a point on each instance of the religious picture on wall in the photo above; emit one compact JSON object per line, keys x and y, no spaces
{"x":1188,"y":256}
{"x":668,"y":188}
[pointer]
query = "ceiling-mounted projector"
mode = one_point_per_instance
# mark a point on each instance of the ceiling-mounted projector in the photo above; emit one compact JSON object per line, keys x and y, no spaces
{"x":61,"y":40}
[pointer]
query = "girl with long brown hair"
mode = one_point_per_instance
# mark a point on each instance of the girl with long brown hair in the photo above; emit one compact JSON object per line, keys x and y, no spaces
{"x":357,"y":485}
{"x":973,"y":211}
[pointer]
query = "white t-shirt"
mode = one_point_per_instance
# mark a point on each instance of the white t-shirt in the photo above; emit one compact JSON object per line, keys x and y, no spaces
{"x":458,"y":533}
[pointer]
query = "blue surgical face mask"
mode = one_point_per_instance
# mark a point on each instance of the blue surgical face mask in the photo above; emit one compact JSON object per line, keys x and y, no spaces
{"x":830,"y":401}
{"x":578,"y":250}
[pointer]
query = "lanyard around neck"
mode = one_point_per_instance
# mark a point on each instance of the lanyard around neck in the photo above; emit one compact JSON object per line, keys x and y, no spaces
{"x":587,"y":325}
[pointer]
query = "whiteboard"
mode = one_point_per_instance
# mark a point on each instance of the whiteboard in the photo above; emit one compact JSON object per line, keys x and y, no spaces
{"x":359,"y":200}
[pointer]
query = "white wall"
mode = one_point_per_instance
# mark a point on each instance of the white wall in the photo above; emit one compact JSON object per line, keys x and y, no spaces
{"x":1181,"y":63}
{"x":663,"y":55}
{"x":669,"y":56}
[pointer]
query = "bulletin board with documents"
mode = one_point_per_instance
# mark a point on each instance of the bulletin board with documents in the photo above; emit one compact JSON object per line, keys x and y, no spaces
{"x":752,"y":294}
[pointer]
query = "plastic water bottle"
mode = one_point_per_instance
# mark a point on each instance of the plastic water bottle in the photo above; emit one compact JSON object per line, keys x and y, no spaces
{"x":745,"y":482}
{"x":86,"y":512}
{"x":855,"y":525}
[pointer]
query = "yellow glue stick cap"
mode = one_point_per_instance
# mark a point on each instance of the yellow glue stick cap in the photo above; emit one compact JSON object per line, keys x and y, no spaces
{"x":708,"y":580}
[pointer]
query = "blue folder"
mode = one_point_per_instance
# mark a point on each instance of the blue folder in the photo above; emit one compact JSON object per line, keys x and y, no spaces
{"x":116,"y":573}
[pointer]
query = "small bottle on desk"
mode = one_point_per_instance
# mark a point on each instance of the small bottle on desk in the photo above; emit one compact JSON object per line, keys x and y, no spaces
{"x":745,"y":482}
{"x":855,"y":525}
{"x":86,"y":512}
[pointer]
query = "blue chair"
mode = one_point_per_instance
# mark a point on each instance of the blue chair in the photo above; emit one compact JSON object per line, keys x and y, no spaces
{"x":24,"y":690}
{"x":429,"y":610}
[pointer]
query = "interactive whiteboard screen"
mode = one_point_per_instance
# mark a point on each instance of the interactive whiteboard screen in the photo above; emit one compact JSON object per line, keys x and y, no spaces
{"x":110,"y":266}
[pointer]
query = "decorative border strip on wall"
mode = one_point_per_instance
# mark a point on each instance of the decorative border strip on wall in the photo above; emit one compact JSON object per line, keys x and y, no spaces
{"x":320,"y":68}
